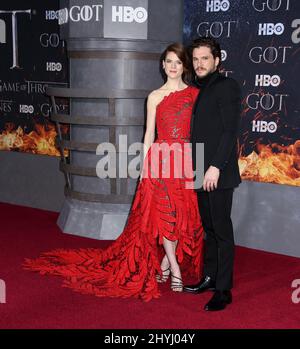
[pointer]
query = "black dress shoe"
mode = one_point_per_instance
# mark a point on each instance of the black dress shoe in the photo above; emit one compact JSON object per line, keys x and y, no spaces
{"x":205,"y":284}
{"x":219,"y":301}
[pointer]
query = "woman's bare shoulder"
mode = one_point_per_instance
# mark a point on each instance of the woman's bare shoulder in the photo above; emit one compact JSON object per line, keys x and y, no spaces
{"x":155,"y":96}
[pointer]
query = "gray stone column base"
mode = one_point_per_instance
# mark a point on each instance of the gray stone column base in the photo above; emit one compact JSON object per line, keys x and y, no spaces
{"x":93,"y":220}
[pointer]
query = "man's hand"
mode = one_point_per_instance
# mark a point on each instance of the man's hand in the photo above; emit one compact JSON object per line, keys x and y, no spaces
{"x":211,"y":178}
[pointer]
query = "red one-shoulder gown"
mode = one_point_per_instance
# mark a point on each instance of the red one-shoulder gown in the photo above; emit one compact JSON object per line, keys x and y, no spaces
{"x":163,"y":206}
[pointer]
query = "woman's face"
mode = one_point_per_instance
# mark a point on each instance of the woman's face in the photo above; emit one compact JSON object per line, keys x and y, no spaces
{"x":173,"y":66}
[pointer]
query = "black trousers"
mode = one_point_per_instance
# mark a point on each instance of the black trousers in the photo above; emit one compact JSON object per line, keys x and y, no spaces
{"x":215,"y":211}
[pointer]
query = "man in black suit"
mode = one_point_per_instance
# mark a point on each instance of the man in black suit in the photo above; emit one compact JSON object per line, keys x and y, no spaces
{"x":215,"y":123}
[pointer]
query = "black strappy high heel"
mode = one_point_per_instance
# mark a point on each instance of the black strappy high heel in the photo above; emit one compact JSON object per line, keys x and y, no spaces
{"x":176,"y":286}
{"x":164,"y":275}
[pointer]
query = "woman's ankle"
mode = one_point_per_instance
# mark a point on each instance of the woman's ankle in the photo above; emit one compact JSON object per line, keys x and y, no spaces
{"x":165,"y":264}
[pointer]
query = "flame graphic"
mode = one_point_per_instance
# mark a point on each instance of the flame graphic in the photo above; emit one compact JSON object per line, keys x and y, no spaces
{"x":272,"y":164}
{"x":39,"y":141}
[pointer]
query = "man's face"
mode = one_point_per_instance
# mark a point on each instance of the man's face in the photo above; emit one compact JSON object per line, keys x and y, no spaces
{"x":204,"y":62}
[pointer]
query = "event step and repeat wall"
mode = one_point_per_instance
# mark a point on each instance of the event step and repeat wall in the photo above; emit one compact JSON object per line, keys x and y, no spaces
{"x":32,"y":57}
{"x":260,"y":42}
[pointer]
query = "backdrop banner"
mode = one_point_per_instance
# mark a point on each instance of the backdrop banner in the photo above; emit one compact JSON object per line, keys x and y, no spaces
{"x":260,"y":49}
{"x":32,"y":58}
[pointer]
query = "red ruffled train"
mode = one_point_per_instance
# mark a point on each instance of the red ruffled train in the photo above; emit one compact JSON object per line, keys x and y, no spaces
{"x":162,"y":207}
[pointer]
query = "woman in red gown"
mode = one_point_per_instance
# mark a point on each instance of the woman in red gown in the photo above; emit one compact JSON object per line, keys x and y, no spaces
{"x":164,"y":215}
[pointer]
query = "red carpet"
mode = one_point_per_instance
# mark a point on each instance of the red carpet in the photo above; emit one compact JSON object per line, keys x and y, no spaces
{"x":261,"y":297}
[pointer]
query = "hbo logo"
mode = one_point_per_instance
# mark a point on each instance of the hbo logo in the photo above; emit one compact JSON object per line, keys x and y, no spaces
{"x":217,"y":5}
{"x":128,"y":14}
{"x":26,"y":109}
{"x":51,"y":15}
{"x":270,"y":28}
{"x":267,"y":80}
{"x":264,"y":126}
{"x":52,"y":66}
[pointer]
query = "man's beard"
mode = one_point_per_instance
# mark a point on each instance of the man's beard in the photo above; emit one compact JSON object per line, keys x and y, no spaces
{"x":204,"y":72}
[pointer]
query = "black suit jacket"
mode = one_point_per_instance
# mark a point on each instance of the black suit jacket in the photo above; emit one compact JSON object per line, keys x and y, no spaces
{"x":215,"y":122}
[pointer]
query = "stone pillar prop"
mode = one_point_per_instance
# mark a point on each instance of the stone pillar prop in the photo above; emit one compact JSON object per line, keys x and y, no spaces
{"x":113,"y":48}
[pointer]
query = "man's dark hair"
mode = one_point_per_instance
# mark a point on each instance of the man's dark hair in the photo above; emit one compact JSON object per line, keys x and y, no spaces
{"x":207,"y":42}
